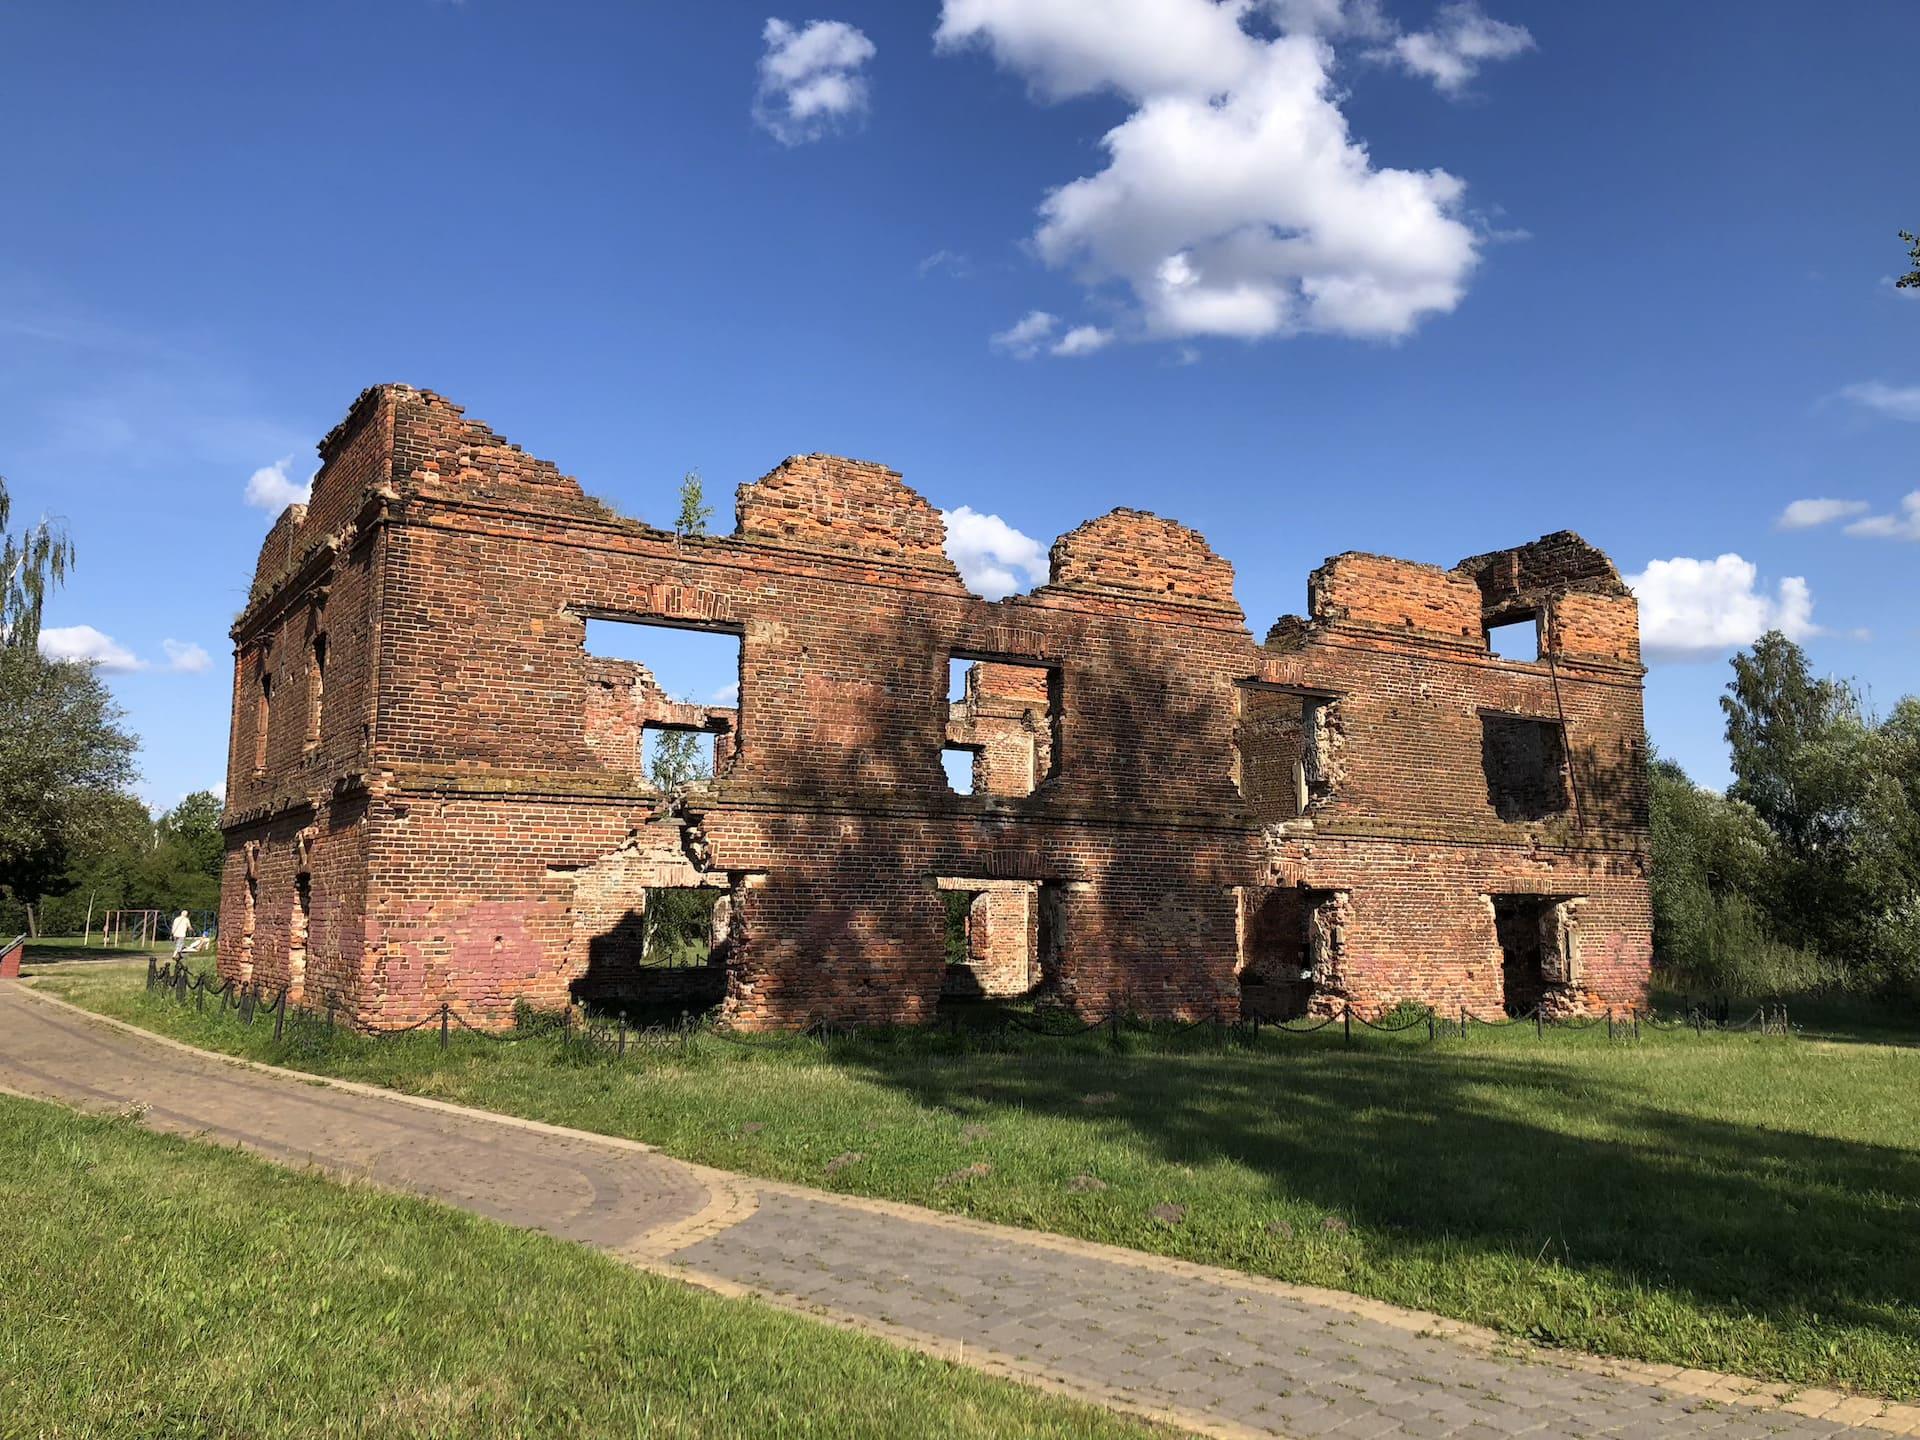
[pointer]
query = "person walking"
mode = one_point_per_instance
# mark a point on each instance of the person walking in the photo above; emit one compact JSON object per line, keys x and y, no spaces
{"x":182,"y":927}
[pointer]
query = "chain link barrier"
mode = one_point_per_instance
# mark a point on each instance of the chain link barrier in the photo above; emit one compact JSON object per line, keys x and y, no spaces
{"x":612,"y":1040}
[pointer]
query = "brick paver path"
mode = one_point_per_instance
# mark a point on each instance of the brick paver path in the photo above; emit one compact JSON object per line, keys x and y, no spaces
{"x":1208,"y":1349}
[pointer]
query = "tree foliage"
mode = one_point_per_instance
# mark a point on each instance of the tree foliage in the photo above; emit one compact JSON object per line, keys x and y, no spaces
{"x":63,"y":759}
{"x":677,"y":761}
{"x":1711,"y":856}
{"x":694,"y":510}
{"x":129,"y":860}
{"x":1806,"y":874}
{"x":32,"y":562}
{"x":679,"y":921}
{"x":1911,"y":280}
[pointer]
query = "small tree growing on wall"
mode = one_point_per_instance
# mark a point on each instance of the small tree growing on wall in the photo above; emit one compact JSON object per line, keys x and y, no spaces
{"x":694,"y":510}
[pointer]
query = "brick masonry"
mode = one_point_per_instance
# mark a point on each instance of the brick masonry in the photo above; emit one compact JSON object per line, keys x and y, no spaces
{"x":435,"y":793}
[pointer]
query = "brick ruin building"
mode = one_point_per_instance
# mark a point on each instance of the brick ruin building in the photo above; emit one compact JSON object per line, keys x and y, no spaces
{"x":435,"y":794}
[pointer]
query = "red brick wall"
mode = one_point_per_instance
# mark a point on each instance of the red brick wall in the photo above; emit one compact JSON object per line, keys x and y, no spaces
{"x":475,"y":812}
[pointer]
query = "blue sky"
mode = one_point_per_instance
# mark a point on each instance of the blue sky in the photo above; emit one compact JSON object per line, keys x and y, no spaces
{"x":1413,"y":279}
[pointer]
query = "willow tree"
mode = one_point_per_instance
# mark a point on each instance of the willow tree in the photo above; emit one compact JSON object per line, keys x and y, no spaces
{"x":32,"y":562}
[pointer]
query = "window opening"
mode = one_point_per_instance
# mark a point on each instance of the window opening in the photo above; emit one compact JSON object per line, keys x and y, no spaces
{"x":297,"y":934}
{"x":246,"y":928}
{"x":1286,"y":751}
{"x":675,"y":758}
{"x":679,"y":925}
{"x":316,"y":687}
{"x":1517,"y":638}
{"x":1292,"y":942}
{"x":1538,"y":937}
{"x":993,"y":937}
{"x":1526,"y":766}
{"x":650,"y":682}
{"x":263,"y":713}
{"x":960,"y":764}
{"x":1006,"y":714}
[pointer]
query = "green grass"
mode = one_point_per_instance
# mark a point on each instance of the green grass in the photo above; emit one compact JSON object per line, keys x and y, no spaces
{"x":151,"y":1286}
{"x":1729,"y":1201}
{"x":52,"y":949}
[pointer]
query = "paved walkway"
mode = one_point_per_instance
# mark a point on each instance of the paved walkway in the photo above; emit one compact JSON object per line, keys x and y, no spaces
{"x":1210,"y":1350}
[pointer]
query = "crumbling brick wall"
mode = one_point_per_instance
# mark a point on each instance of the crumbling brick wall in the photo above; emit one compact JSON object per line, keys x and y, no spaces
{"x":474,"y":822}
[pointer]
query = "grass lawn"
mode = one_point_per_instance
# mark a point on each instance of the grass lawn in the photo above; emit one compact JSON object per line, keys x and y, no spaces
{"x":52,"y":949}
{"x":1728,"y":1201}
{"x":154,"y":1286}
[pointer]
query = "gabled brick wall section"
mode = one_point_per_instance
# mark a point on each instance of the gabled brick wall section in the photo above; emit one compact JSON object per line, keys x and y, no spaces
{"x":475,"y":826}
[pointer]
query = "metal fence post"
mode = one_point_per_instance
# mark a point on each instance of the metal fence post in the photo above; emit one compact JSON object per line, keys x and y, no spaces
{"x":1539,"y":1023}
{"x":280,"y":1016}
{"x":623,"y":1036}
{"x":1433,"y":1027}
{"x":1346,"y":1022}
{"x":443,"y":1024}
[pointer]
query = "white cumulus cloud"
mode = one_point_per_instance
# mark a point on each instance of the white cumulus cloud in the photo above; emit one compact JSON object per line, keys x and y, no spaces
{"x":1807,"y":514}
{"x":1896,"y":402}
{"x":88,"y":644}
{"x":1026,"y":335}
{"x":1234,"y":200}
{"x":1904,"y":525}
{"x":810,"y":80}
{"x":1693,"y":609}
{"x":187,"y":658}
{"x":991,"y":555}
{"x":1038,"y":330}
{"x":272,"y":489}
{"x":1462,"y":38}
{"x":83,"y":642}
{"x":1083,"y":340}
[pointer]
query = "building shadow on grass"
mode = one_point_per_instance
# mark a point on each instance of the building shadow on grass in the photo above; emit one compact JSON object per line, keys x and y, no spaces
{"x":1437,"y":1148}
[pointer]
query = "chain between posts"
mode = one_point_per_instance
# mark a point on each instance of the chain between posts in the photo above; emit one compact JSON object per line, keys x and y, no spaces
{"x":615,"y":1040}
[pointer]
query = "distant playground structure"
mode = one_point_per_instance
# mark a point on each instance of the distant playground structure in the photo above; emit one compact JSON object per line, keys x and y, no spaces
{"x":132,"y":929}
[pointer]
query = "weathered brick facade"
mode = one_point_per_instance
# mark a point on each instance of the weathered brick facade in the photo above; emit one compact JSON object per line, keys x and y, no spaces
{"x":435,"y":793}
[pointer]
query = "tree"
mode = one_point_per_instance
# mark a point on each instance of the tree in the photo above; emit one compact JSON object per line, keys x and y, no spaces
{"x":63,"y":759}
{"x":678,"y":920}
{"x":677,"y":761}
{"x":694,"y":511}
{"x":1711,"y":857}
{"x":31,"y":563}
{"x":1839,"y":794}
{"x":1911,"y":280}
{"x":1775,"y":709}
{"x":192,"y":830}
